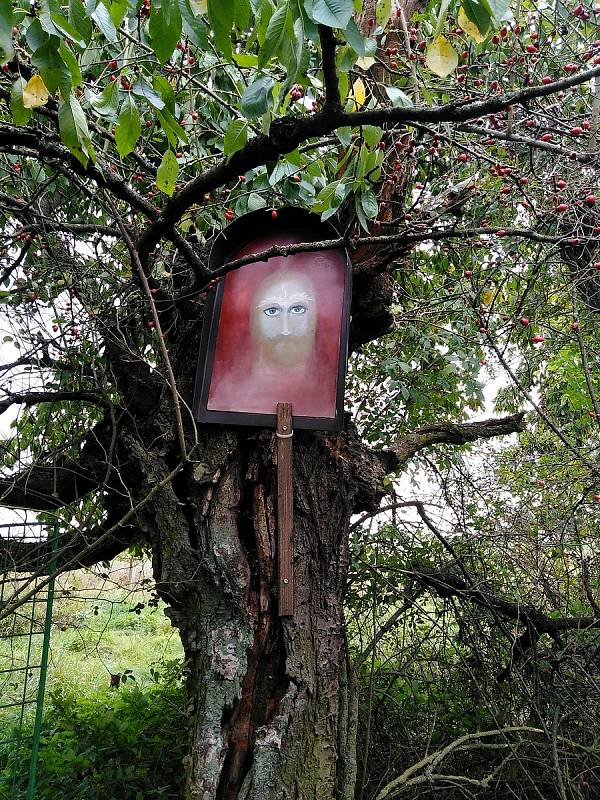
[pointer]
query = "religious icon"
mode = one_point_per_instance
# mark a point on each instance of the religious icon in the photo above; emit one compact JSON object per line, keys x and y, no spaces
{"x":276,"y":330}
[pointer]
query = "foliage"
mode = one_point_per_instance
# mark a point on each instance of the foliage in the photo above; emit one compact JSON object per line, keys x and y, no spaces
{"x":125,"y":743}
{"x":456,"y":151}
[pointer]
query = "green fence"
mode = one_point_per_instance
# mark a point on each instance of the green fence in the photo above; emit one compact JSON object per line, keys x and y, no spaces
{"x":24,"y":647}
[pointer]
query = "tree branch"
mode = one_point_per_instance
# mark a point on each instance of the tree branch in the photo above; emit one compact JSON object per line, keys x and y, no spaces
{"x":288,"y":132}
{"x":73,"y":549}
{"x":333,"y":100}
{"x":33,"y":398}
{"x":458,"y":434}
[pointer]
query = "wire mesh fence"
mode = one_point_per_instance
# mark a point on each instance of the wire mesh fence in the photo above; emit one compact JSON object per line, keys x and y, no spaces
{"x":24,"y":648}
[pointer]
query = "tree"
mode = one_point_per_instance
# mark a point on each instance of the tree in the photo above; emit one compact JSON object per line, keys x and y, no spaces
{"x":131,"y":132}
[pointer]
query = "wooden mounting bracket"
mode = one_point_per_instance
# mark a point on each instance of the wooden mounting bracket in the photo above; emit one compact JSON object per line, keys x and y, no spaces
{"x":285,"y":509}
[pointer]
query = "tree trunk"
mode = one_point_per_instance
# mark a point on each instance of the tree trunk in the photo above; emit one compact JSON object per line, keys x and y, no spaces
{"x":268,"y":696}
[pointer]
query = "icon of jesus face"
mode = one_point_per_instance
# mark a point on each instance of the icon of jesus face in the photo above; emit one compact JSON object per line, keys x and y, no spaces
{"x":284,"y":319}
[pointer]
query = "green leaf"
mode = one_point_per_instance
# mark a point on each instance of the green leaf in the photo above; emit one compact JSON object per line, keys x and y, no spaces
{"x":441,"y":18}
{"x":371,"y":135}
{"x":355,"y":38}
{"x":344,"y":135}
{"x":221,"y":15}
{"x":236,"y":136}
{"x":332,"y":13}
{"x":165,"y":90}
{"x":500,"y":9}
{"x":369,"y":205}
{"x":63,"y":26}
{"x":80,"y":20}
{"x":117,"y":10}
{"x":107,"y":103}
{"x":256,"y":201}
{"x":397,"y":97}
{"x":257,"y":97}
{"x":36,"y":37}
{"x":274,"y":35}
{"x":69,"y":58}
{"x":128,"y":127}
{"x":166,"y":174}
{"x":7,"y":51}
{"x":20,"y":114}
{"x":479,"y":13}
{"x":383,"y":13}
{"x":242,"y":15}
{"x":194,"y":27}
{"x":53,"y":69}
{"x":102,"y":18}
{"x":142,"y":88}
{"x":74,"y":130}
{"x":165,"y":29}
{"x":174,"y":131}
{"x":292,"y":49}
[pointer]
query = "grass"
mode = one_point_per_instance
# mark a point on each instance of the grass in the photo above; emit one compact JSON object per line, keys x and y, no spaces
{"x":114,"y":683}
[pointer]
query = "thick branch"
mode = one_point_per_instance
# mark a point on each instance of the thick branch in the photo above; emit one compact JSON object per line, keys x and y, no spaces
{"x":73,"y":549}
{"x":333,"y":100}
{"x":33,"y":398}
{"x":45,"y":487}
{"x":449,"y":585}
{"x":458,"y":434}
{"x":287,"y":133}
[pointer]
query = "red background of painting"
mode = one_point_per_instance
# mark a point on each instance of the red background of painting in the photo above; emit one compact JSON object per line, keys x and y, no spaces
{"x":234,"y":386}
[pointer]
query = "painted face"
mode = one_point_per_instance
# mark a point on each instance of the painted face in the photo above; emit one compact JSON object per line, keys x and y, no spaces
{"x":284,"y":319}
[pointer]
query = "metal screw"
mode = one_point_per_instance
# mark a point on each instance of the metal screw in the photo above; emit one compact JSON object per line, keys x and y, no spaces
{"x":285,"y":580}
{"x":285,"y":427}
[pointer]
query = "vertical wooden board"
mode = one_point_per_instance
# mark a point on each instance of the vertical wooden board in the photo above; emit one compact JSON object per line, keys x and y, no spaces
{"x":285,"y":509}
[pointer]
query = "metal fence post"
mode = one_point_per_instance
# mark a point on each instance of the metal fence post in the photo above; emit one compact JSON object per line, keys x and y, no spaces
{"x":39,"y":709}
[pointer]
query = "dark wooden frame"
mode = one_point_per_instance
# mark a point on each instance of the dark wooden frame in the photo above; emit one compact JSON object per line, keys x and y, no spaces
{"x":233,"y":238}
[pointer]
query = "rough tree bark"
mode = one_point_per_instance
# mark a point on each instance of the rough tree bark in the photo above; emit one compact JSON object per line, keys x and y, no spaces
{"x":268,"y":696}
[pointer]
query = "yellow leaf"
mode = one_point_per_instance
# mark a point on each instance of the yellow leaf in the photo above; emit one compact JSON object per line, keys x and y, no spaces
{"x":359,"y":93}
{"x":487,"y":297}
{"x":441,"y":58}
{"x":470,"y":28}
{"x":35,"y":93}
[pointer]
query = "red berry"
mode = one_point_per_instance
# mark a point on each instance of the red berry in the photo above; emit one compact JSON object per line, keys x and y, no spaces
{"x":561,"y":184}
{"x":468,"y":273}
{"x":577,"y":131}
{"x":562,"y":207}
{"x":500,"y":233}
{"x":590,"y":199}
{"x":55,"y":328}
{"x":273,"y":214}
{"x":524,"y":321}
{"x":575,"y":326}
{"x":150,"y":323}
{"x":229,"y":214}
{"x":537,"y":339}
{"x":464,"y":157}
{"x":191,"y":61}
{"x":546,"y":137}
{"x":531,"y":48}
{"x":546,"y":80}
{"x":585,"y":124}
